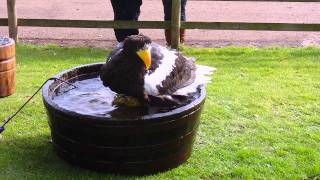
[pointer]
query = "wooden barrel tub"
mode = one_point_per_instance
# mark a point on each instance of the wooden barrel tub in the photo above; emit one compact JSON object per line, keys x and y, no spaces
{"x":7,"y":67}
{"x":146,"y":145}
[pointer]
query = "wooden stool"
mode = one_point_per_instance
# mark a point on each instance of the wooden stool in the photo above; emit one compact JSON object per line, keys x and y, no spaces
{"x":7,"y":66}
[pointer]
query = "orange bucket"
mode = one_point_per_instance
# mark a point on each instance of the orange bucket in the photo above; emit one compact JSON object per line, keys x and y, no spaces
{"x":7,"y":66}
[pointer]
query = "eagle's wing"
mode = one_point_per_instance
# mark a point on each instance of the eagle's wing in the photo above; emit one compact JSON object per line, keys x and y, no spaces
{"x":119,"y":77}
{"x":115,"y":51}
{"x":169,"y":72}
{"x":172,"y":77}
{"x":108,"y":68}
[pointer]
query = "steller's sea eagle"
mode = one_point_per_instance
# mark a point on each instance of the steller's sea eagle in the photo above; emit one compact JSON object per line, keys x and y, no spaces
{"x":152,"y":73}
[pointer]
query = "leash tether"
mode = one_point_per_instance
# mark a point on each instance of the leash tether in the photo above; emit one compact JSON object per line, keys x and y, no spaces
{"x":8,"y":119}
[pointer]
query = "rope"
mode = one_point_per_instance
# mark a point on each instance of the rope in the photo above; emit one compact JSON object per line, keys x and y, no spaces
{"x":8,"y":119}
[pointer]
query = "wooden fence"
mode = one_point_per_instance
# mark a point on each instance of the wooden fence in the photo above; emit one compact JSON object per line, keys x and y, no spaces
{"x":175,"y":24}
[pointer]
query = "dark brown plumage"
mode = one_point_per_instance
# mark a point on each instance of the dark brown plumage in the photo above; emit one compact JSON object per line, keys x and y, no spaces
{"x":126,"y":73}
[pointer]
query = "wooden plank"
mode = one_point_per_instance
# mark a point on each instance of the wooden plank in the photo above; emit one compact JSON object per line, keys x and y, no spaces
{"x":94,"y":24}
{"x":175,"y":23}
{"x":12,"y":19}
{"x":166,"y":25}
{"x":3,"y":21}
{"x":251,"y":26}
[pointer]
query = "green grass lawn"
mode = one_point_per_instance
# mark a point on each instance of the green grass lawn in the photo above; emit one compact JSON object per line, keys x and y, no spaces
{"x":261,"y":118}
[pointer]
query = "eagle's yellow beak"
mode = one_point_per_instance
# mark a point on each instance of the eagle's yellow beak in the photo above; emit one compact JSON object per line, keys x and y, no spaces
{"x":145,"y":55}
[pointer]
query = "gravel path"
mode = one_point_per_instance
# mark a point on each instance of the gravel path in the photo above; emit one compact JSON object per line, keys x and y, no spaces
{"x":153,"y":10}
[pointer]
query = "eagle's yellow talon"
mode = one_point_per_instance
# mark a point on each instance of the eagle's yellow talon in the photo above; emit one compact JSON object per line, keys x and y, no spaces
{"x":128,"y":101}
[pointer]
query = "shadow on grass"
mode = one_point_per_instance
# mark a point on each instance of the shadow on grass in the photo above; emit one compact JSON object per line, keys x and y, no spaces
{"x":34,"y":157}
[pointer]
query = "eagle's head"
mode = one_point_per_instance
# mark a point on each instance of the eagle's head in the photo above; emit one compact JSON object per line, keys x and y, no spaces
{"x":139,"y":45}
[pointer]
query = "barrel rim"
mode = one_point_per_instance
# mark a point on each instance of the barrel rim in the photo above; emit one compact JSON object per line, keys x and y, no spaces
{"x":167,"y":116}
{"x":10,"y":42}
{"x":8,"y":50}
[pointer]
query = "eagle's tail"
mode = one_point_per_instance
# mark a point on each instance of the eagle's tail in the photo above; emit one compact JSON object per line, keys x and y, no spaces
{"x":203,"y":76}
{"x":167,"y":100}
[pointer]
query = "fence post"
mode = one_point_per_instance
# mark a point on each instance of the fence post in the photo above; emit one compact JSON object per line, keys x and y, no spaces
{"x":175,"y":23}
{"x":12,"y":19}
